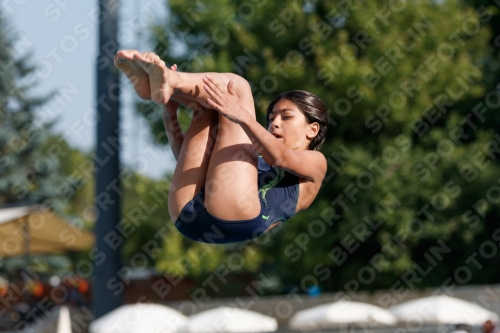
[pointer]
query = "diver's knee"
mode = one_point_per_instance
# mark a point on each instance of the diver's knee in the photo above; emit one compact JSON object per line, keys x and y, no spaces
{"x":241,"y":85}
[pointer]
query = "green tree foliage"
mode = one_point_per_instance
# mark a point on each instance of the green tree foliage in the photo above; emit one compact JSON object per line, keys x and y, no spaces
{"x":78,"y":167}
{"x":144,"y":200}
{"x":144,"y":203}
{"x":492,"y":60}
{"x":38,"y":166}
{"x":27,"y":173}
{"x":410,"y":183}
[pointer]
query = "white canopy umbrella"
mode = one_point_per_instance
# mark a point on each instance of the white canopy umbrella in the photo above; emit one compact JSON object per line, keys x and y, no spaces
{"x":442,"y":309}
{"x":341,"y":313}
{"x":33,"y":230}
{"x":139,"y":318}
{"x":227,"y":320}
{"x":64,"y":321}
{"x":57,"y":320}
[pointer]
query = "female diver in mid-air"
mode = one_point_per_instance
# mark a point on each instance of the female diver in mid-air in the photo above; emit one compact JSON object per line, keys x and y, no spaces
{"x":234,"y":179}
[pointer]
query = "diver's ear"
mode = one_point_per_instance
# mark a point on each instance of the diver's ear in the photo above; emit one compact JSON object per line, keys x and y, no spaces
{"x":312,"y":130}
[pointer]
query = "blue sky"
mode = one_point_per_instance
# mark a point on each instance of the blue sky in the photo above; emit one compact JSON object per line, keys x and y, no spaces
{"x":62,"y":35}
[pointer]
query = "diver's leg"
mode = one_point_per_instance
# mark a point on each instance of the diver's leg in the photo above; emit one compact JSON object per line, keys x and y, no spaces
{"x":231,"y":189}
{"x":193,"y":159}
{"x":231,"y":178}
{"x":166,"y":83}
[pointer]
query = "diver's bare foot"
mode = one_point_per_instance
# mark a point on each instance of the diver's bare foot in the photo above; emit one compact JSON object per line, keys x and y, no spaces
{"x":124,"y":61}
{"x":159,"y":76}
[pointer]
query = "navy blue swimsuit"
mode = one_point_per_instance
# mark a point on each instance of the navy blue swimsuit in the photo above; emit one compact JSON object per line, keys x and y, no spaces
{"x":278,"y":194}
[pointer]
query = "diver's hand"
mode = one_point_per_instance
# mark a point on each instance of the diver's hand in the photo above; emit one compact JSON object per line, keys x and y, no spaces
{"x":224,"y":100}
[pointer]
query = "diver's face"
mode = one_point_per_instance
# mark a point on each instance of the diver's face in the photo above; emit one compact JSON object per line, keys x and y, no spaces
{"x":289,"y":125}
